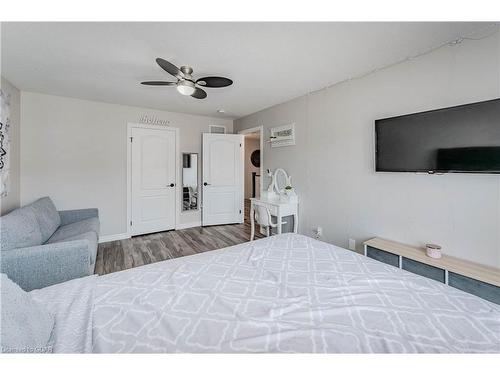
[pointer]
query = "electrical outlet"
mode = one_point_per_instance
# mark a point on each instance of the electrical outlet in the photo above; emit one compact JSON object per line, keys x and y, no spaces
{"x":318,"y":232}
{"x":352,"y":244}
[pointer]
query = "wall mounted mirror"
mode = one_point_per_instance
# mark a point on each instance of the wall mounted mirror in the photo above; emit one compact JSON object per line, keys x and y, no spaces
{"x":189,"y":181}
{"x":280,"y":180}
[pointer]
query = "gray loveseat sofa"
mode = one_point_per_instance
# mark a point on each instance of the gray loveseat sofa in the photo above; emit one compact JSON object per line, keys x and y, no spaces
{"x":41,"y":246}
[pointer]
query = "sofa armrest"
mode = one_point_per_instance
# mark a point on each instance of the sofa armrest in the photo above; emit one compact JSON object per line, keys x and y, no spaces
{"x":72,"y":216}
{"x":40,"y":266}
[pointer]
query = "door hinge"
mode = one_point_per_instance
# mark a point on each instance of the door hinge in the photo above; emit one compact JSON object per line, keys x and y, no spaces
{"x":240,"y":211}
{"x":130,"y":222}
{"x":240,"y":144}
{"x":131,"y":139}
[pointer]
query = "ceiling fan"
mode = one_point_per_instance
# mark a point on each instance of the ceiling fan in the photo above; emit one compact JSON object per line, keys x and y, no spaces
{"x":186,"y":84}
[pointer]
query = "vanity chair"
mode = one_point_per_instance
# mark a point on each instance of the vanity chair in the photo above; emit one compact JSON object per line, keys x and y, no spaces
{"x":262,"y":217}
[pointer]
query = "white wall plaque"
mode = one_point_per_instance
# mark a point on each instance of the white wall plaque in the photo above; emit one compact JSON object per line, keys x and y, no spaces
{"x":283,"y":135}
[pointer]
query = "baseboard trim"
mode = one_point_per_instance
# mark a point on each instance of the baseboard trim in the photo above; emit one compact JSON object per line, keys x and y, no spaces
{"x":114,"y":237}
{"x":188,"y":225}
{"x":124,"y":236}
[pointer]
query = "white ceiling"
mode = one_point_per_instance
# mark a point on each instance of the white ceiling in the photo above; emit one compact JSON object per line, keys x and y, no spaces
{"x":270,"y":63}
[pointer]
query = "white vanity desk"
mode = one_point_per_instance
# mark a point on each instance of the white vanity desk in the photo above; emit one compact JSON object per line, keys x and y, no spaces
{"x":278,"y":207}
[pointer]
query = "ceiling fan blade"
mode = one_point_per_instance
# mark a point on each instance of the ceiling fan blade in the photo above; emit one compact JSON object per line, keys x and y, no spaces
{"x":158,"y":83}
{"x":169,"y":67}
{"x":214,"y":82}
{"x":199,"y":94}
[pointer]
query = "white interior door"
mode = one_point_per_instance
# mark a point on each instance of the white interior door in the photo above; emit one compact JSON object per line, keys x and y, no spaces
{"x":223,"y":170}
{"x":153,"y":180}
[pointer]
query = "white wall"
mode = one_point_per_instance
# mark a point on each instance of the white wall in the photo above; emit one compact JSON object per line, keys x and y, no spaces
{"x":332,"y":165}
{"x":75,"y":151}
{"x":251,"y":144}
{"x":12,"y":200}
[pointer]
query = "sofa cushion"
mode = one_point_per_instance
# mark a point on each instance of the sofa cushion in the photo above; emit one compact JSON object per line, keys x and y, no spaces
{"x":26,"y":325}
{"x":90,"y":236}
{"x":19,"y":228}
{"x":70,"y":230}
{"x":47,"y":216}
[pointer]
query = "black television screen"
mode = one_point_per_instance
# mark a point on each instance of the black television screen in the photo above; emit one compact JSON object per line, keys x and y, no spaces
{"x":465,"y":138}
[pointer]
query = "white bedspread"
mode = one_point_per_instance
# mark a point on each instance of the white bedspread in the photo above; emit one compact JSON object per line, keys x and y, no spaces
{"x":287,"y":293}
{"x":72,"y":304}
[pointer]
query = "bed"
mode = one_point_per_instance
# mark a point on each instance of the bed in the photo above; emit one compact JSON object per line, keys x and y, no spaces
{"x":286,"y":293}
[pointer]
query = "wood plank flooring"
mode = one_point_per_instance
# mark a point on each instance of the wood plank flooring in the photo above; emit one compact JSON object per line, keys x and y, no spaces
{"x":140,"y":250}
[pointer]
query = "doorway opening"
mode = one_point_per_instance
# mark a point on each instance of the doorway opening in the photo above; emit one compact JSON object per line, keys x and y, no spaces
{"x":253,"y":166}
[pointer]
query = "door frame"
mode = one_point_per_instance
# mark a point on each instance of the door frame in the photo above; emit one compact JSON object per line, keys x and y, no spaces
{"x":131,"y":125}
{"x":256,"y":129}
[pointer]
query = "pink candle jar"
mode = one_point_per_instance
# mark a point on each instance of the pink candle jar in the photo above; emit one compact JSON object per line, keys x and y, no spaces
{"x":434,"y":251}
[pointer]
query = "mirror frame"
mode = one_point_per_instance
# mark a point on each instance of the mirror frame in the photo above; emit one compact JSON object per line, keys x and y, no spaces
{"x":197,"y":182}
{"x":276,"y":187}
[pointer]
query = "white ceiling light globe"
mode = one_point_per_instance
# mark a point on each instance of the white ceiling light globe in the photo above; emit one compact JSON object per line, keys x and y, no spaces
{"x":185,"y":87}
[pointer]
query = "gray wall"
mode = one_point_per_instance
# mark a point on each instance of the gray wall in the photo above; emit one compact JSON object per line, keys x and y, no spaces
{"x":250,"y":146}
{"x":12,"y":200}
{"x":332,"y":164}
{"x":75,"y":151}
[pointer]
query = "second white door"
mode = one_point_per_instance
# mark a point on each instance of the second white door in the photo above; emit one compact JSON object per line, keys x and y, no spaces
{"x":153,"y":180}
{"x":222,"y":179}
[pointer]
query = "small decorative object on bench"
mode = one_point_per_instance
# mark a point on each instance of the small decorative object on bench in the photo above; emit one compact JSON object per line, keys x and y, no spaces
{"x":433,"y":251}
{"x":473,"y":278}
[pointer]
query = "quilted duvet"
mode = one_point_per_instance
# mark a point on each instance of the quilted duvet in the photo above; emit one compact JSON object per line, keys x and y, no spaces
{"x":286,"y":293}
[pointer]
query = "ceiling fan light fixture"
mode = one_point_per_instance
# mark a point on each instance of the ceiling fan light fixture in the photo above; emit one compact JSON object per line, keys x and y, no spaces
{"x":185,"y":87}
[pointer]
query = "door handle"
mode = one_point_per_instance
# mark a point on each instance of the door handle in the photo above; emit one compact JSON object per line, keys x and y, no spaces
{"x":206,"y":184}
{"x":172,"y":184}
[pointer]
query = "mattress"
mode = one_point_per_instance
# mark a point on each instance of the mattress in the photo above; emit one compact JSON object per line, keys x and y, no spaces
{"x":286,"y":293}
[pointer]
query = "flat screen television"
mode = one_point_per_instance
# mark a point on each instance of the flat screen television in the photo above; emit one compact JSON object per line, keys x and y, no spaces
{"x":462,"y":139}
